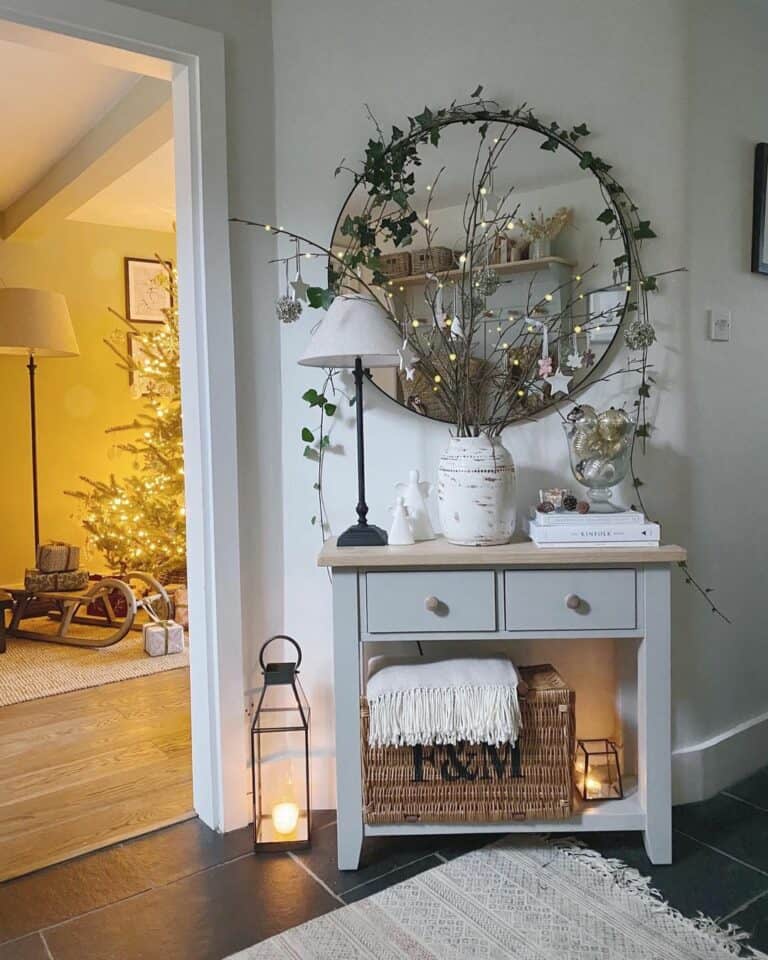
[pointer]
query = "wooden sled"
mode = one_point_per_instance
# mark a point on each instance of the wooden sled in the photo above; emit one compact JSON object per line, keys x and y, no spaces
{"x":66,"y":606}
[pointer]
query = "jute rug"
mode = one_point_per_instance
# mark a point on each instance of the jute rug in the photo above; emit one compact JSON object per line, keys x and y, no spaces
{"x":31,"y":669}
{"x":522,"y":898}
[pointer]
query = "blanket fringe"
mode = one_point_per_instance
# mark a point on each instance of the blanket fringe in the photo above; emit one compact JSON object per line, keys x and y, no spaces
{"x":440,"y":715}
{"x":729,"y":937}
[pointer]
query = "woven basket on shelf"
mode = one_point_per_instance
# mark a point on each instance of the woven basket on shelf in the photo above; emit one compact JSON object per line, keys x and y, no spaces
{"x":395,"y":265}
{"x":477,"y":783}
{"x":432,"y":259}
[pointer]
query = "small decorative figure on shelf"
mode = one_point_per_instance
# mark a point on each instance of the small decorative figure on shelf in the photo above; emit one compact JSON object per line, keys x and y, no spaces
{"x":414,"y":494}
{"x":401,"y":531}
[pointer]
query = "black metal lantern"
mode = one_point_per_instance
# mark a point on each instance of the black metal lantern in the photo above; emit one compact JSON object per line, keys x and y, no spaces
{"x":280,"y":757}
{"x":598,"y":774}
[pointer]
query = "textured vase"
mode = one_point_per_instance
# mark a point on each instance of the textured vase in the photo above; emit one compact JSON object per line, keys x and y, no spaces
{"x":476,"y":492}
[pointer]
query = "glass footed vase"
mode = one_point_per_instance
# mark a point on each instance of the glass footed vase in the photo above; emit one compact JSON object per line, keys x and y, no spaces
{"x":600,"y":461}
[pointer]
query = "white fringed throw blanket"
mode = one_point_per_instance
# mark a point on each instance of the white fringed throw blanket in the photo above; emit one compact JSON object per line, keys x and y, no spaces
{"x":417,"y":701}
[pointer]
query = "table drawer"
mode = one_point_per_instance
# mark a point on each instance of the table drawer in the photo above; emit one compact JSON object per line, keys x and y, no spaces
{"x":436,"y":601}
{"x":570,"y":600}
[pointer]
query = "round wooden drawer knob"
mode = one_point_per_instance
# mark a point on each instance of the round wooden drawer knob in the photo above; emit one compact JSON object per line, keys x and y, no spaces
{"x":573,"y":601}
{"x":432,"y":603}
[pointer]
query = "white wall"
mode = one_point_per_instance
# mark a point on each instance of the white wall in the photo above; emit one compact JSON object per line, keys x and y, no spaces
{"x":674,"y":94}
{"x":618,"y":65}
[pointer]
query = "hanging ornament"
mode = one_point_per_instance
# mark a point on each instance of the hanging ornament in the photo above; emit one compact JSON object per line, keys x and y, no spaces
{"x":574,"y":359}
{"x":287,"y":308}
{"x":487,"y":281}
{"x":545,"y":366}
{"x":639,"y":335}
{"x":299,"y":287}
{"x":408,"y":360}
{"x":559,"y":381}
{"x":456,"y":326}
{"x":588,"y":358}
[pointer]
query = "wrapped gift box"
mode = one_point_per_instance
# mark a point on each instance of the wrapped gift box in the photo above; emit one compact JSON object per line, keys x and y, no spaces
{"x":117,"y":601}
{"x":40,"y":581}
{"x":57,"y":557}
{"x":163,"y":637}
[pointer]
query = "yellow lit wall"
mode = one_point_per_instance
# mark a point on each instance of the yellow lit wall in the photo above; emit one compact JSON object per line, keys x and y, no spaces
{"x":77,"y":398}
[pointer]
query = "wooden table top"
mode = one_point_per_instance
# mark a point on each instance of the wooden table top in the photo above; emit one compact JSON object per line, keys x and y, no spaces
{"x":18,"y":589}
{"x":440,"y":553}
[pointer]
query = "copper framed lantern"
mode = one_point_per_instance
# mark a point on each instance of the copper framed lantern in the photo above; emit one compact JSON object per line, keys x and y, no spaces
{"x":280,"y":756}
{"x":598,"y":774}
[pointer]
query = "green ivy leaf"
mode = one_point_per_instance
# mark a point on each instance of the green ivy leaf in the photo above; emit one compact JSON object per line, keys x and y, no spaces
{"x":643,"y":231}
{"x":644,"y":390}
{"x":581,"y":130}
{"x":607,"y":216}
{"x":307,"y":436}
{"x":637,"y":482}
{"x":313,"y":521}
{"x":476,"y":92}
{"x":550,"y":144}
{"x":311,"y":454}
{"x":310,"y":396}
{"x":620,"y":260}
{"x":643,"y":430}
{"x":330,"y":409}
{"x":320,"y":298}
{"x":325,"y":441}
{"x":650,"y":284}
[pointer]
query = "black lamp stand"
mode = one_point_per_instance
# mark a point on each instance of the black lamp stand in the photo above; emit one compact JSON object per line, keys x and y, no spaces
{"x":32,"y":367}
{"x":362,"y":533}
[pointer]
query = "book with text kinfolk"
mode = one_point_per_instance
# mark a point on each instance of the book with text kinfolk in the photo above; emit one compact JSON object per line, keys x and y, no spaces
{"x":595,"y":533}
{"x":555,"y":519}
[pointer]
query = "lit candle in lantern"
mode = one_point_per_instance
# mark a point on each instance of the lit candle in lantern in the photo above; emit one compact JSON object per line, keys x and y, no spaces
{"x":285,"y":816}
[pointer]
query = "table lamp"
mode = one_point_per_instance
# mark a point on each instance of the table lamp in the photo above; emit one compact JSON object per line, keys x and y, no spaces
{"x":35,"y":323}
{"x":356,"y":333}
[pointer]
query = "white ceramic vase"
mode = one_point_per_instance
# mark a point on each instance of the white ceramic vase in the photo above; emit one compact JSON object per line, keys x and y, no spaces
{"x":476,"y":492}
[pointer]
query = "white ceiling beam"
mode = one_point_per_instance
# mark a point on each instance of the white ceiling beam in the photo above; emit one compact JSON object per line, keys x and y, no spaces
{"x":133,"y":129}
{"x":100,"y":53}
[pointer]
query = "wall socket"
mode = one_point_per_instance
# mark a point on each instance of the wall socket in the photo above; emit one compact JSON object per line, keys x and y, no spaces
{"x":720,"y":325}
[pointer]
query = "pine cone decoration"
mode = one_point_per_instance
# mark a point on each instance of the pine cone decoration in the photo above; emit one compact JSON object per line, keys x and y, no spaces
{"x":570,"y":502}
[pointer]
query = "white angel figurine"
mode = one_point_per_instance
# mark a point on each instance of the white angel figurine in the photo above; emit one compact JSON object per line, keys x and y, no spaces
{"x":401,"y":531}
{"x":414,"y":494}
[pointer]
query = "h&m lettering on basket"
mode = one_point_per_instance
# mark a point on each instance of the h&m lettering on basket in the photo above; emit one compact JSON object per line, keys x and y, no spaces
{"x":464,"y":761}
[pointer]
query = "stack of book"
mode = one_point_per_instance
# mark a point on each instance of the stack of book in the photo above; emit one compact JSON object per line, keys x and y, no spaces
{"x":563,"y":529}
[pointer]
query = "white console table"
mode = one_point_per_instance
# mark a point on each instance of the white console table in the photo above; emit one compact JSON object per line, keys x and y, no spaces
{"x":438,"y":591}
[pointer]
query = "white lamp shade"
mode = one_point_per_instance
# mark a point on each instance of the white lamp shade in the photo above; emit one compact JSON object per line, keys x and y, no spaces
{"x":37,"y":322}
{"x":353,"y":327}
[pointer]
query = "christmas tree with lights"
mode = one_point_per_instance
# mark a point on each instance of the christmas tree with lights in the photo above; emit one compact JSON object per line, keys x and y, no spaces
{"x":138,"y":522}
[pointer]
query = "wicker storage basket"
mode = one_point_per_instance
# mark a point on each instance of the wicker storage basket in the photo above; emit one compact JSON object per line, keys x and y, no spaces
{"x":431,"y":259}
{"x":478,"y":783}
{"x":395,"y":265}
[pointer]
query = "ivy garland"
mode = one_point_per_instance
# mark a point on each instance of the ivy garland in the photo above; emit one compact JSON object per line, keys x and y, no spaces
{"x":388,"y":179}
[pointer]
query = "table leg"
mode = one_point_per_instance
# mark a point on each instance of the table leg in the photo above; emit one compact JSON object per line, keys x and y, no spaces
{"x":3,"y":607}
{"x":346,"y":671}
{"x":654,"y":717}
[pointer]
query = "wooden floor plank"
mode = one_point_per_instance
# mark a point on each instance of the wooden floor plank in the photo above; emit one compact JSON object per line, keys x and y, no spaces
{"x":85,"y":769}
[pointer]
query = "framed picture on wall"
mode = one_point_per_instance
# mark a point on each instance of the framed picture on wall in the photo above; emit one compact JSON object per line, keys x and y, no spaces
{"x":141,"y":385}
{"x":760,"y":211}
{"x":145,"y":298}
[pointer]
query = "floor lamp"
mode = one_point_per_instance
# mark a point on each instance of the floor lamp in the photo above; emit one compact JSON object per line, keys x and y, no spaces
{"x":356,"y":333}
{"x":35,"y":323}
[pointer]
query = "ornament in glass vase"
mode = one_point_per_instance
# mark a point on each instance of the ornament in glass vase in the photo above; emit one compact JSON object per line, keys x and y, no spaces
{"x":600,"y":448}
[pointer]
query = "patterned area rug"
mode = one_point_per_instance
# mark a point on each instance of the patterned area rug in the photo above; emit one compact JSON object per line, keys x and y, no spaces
{"x":30,"y":669}
{"x":523,"y":898}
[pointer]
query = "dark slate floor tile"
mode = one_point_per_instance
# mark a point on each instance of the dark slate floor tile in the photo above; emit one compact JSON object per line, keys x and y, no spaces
{"x":754,"y":789}
{"x":203,"y":917}
{"x":753,"y":920}
{"x":28,"y":948}
{"x":380,"y":855}
{"x":455,"y":846}
{"x":698,"y":879}
{"x":184,"y":849}
{"x":391,"y":878}
{"x":67,"y":890}
{"x":730,"y":825}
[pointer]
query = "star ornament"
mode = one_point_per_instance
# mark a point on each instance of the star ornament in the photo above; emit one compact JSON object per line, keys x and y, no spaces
{"x":408,"y":360}
{"x":299,"y":287}
{"x":558,"y":382}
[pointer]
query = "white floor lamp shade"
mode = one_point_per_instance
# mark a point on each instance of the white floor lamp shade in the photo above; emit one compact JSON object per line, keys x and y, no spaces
{"x":35,"y":323}
{"x":356,"y":332}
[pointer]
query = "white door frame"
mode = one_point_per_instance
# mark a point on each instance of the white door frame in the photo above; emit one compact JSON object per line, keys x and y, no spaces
{"x":195,"y":65}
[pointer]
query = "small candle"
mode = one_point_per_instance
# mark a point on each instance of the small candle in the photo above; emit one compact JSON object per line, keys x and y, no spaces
{"x":285,"y":816}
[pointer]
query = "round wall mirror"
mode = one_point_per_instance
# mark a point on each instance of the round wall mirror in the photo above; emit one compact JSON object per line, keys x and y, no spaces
{"x":545,"y":291}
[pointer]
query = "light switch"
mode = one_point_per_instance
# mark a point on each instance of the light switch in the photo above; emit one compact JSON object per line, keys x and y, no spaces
{"x":719,"y":324}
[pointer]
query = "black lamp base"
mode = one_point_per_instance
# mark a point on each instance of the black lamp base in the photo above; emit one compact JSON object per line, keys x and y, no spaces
{"x":363,"y":535}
